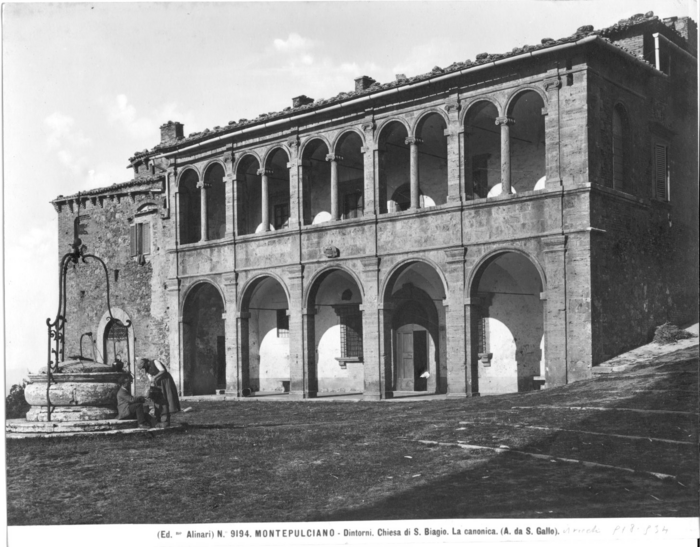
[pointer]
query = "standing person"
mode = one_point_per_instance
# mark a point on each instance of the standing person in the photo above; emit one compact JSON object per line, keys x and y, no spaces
{"x":130,"y":407}
{"x":159,"y":377}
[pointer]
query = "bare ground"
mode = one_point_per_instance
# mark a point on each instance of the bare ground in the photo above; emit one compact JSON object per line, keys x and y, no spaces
{"x":298,"y":461}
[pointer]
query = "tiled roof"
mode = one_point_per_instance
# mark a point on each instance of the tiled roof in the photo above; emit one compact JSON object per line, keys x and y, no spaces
{"x":482,"y":58}
{"x":115,"y":188}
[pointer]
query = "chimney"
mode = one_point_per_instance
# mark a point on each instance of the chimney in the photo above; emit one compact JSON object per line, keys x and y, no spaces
{"x":171,"y":132}
{"x":301,"y":100}
{"x":363,"y":82}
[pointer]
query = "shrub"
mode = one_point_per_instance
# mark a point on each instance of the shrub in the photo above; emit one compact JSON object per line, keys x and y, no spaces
{"x":16,"y":405}
{"x":668,"y":333}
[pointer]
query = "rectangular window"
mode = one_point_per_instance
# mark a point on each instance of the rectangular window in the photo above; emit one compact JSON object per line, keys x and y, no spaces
{"x":661,"y":190}
{"x":140,"y":238}
{"x":281,"y":214}
{"x":282,"y":324}
{"x":352,"y":206}
{"x":350,"y":331}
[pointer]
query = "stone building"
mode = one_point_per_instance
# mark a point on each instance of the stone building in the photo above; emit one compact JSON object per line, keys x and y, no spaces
{"x":498,"y":225}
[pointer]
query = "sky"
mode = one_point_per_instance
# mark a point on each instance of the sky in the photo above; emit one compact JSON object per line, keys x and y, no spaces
{"x":87,"y":85}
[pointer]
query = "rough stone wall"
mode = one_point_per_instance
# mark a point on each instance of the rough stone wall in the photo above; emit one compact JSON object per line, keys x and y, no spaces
{"x":135,"y":287}
{"x":645,"y":263}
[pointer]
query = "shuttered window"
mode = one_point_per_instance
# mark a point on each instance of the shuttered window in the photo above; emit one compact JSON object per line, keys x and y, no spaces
{"x":140,"y":237}
{"x":661,"y":172}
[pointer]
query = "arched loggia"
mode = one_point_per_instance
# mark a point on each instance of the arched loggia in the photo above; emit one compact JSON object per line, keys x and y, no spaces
{"x":190,"y":196}
{"x":264,"y":337}
{"x":415,"y":321}
{"x":204,"y":348}
{"x":216,"y":201}
{"x":335,"y":333}
{"x":507,"y":325}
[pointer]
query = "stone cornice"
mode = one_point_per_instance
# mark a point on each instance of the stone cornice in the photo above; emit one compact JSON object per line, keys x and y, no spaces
{"x":139,"y":185}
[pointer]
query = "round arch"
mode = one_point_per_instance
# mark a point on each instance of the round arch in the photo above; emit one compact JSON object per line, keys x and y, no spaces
{"x":203,"y":330}
{"x":184,"y":172}
{"x":422,"y":117}
{"x":308,"y":141}
{"x":247,"y":154}
{"x":515,"y":95}
{"x":466,"y":111}
{"x":398,"y":267}
{"x":250,"y":285}
{"x":490,"y":256}
{"x":507,"y":322}
{"x":320,"y":275}
{"x":385,"y":123}
{"x":271,"y":151}
{"x":189,"y":288}
{"x":210,"y":164}
{"x":338,"y":140}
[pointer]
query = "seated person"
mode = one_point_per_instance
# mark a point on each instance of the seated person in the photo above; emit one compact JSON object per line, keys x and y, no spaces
{"x":130,"y":407}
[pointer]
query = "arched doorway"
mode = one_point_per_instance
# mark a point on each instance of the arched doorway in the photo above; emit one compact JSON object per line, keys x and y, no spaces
{"x":337,"y":333}
{"x":204,"y":347}
{"x":265,"y":337}
{"x":507,"y":325}
{"x":414,"y":295}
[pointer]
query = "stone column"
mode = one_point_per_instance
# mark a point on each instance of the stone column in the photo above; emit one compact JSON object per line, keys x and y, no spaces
{"x":172,"y":288}
{"x":505,"y":124}
{"x":299,"y":367}
{"x":231,"y":332}
{"x":203,"y":208}
{"x":413,"y":143}
{"x":472,"y":317}
{"x":555,"y":323}
{"x":334,"y":159}
{"x":295,"y":189}
{"x":265,"y":173}
{"x":369,"y":151}
{"x":230,"y":207}
{"x":455,"y":150}
{"x":384,"y":375}
{"x":374,"y":369}
{"x":457,"y":381}
{"x":243,"y":361}
{"x":552,"y":133}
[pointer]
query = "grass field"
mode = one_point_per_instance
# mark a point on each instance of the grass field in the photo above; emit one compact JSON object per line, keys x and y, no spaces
{"x":258,"y":461}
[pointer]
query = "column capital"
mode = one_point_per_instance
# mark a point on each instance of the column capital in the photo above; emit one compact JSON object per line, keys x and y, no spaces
{"x":202,"y":184}
{"x":334,"y":157}
{"x":264,"y":172}
{"x":414,"y":140}
{"x":552,"y":83}
{"x":504,"y":120}
{"x":554,"y":243}
{"x":172,"y":284}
